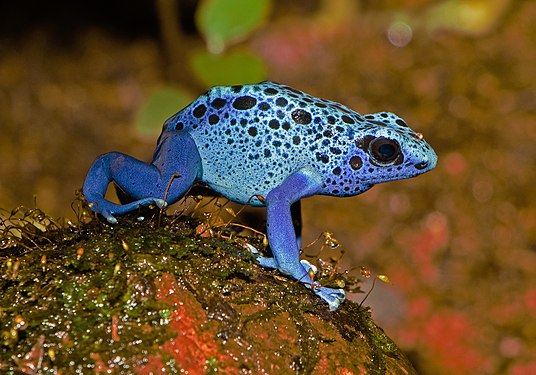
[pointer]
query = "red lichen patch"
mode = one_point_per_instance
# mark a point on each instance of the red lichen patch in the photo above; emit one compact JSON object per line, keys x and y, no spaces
{"x":31,"y":362}
{"x":194,"y":346}
{"x":337,"y":355}
{"x":100,"y":366}
{"x":275,"y":341}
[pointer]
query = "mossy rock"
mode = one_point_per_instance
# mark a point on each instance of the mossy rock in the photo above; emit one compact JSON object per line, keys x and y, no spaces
{"x":143,"y":296}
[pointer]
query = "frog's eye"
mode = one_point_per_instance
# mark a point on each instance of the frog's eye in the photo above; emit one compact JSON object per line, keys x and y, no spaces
{"x":384,"y":150}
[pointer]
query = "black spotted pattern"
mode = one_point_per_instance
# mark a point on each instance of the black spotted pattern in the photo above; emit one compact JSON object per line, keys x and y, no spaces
{"x":213,"y":119}
{"x":218,"y":103}
{"x":301,"y":116}
{"x":244,"y":102}
{"x":356,"y":163}
{"x":252,"y":137}
{"x":264,"y":106}
{"x":199,"y":111}
{"x":281,"y":102}
{"x":270,"y":91}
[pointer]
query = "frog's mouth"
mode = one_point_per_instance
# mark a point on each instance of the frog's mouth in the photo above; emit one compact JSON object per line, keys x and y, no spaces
{"x":428,"y":163}
{"x":422,"y":165}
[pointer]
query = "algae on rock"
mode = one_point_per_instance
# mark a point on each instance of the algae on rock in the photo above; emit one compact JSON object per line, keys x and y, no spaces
{"x":142,"y":296}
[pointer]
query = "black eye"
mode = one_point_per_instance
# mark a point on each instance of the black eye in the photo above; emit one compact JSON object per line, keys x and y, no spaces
{"x":384,"y":151}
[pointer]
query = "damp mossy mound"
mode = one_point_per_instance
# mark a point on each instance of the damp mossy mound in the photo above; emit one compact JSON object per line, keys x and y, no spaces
{"x":161,"y":295}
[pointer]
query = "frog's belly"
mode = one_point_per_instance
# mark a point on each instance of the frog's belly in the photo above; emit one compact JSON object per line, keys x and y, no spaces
{"x":241,"y":176}
{"x":241,"y":181}
{"x":241,"y":166}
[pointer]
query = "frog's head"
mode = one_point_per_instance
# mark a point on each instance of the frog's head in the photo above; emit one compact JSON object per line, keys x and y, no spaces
{"x":389,"y":150}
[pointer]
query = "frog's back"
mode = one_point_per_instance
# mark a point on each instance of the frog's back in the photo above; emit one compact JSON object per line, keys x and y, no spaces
{"x":253,"y":107}
{"x":251,"y":137}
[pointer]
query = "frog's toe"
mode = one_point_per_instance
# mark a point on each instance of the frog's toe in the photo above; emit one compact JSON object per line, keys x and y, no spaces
{"x":267,"y":262}
{"x":263,"y":261}
{"x":251,"y":248}
{"x":111,"y":220}
{"x":109,"y":217}
{"x":333,"y":297}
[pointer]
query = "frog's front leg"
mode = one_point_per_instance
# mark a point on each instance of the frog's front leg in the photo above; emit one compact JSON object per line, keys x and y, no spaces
{"x":282,"y":237}
{"x":174,"y":169}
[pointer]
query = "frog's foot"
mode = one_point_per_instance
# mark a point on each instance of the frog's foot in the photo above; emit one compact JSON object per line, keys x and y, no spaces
{"x":333,"y":297}
{"x":108,"y":210}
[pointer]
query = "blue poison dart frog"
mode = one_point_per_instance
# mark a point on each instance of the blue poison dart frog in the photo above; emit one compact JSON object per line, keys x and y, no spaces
{"x":265,"y":145}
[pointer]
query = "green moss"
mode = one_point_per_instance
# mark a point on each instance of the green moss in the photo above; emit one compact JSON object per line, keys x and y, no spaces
{"x":87,"y":295}
{"x":71,"y":284}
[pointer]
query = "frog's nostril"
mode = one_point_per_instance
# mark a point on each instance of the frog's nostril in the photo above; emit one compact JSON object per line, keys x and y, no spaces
{"x":421,"y":165}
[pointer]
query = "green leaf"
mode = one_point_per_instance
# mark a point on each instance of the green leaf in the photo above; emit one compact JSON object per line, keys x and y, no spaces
{"x":472,"y":17}
{"x":161,"y":104}
{"x":224,"y":21}
{"x":229,"y":69}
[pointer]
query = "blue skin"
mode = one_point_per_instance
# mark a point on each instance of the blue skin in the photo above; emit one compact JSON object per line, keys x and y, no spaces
{"x":265,"y":145}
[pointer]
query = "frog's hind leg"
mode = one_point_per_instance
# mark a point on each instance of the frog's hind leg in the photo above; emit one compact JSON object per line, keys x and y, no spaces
{"x":174,"y":169}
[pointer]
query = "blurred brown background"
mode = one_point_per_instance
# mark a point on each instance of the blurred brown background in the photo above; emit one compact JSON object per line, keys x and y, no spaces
{"x":459,"y":243}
